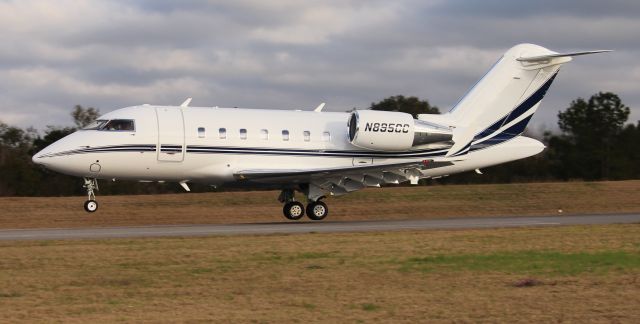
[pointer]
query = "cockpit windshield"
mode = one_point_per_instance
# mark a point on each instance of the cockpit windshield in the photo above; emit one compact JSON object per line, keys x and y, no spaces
{"x":96,"y":124}
{"x":119,"y":125}
{"x":127,"y":125}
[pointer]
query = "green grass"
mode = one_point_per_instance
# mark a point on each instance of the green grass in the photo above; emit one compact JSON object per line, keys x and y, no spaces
{"x":579,"y":274}
{"x":197,"y":271}
{"x":527,"y":262}
{"x":9,"y":294}
{"x":279,"y":257}
{"x":314,"y":255}
{"x":309,"y":306}
{"x":369,"y":307}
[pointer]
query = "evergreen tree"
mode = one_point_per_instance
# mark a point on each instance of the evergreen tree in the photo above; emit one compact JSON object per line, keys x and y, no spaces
{"x":590,"y":131}
{"x":410,"y":105}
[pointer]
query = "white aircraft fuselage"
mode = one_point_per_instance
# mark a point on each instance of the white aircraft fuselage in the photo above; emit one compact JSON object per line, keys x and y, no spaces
{"x":314,"y":152}
{"x":172,"y":143}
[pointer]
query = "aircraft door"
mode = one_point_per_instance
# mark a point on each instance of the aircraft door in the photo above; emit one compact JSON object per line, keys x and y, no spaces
{"x":170,"y":134}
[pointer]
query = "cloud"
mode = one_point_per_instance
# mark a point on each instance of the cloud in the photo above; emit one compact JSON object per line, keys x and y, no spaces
{"x":291,"y":54}
{"x":517,"y":9}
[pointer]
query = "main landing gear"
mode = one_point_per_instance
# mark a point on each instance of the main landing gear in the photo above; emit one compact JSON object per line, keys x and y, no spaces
{"x":317,"y":210}
{"x":91,"y":205}
{"x":294,"y":210}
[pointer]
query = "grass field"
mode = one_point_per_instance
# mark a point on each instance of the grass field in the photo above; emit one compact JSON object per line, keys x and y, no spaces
{"x":384,"y":203}
{"x":551,"y":274}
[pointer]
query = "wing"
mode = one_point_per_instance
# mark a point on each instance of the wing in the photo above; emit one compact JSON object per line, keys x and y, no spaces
{"x":340,"y":181}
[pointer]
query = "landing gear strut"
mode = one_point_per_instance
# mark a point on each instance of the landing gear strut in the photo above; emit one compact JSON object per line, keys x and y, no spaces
{"x":91,"y":205}
{"x":292,"y":209}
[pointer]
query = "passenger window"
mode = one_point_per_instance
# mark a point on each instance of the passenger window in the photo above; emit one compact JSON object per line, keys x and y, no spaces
{"x":201,"y":132}
{"x":119,"y":125}
{"x":285,"y":135}
{"x":326,"y":136}
{"x":307,"y":136}
{"x":243,"y":134}
{"x":222,"y":132}
{"x":264,"y":134}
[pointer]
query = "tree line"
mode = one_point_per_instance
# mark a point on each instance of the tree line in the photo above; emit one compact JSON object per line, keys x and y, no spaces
{"x":595,"y":142}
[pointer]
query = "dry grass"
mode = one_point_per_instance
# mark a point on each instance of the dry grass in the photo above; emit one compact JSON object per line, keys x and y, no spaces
{"x":434,"y":276}
{"x":385,"y":203}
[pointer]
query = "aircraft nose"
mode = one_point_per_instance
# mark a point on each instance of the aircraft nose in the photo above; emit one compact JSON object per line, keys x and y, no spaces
{"x":54,"y":157}
{"x":35,"y":158}
{"x":39,"y":157}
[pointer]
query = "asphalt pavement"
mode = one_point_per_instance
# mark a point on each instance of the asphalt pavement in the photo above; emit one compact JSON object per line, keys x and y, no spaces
{"x":311,"y":227}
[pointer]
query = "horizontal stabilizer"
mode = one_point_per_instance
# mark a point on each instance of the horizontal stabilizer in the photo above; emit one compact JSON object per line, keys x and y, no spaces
{"x":540,"y":58}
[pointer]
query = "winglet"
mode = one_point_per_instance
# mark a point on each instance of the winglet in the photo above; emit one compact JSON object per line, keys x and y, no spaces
{"x":547,"y":57}
{"x":186,"y":103}
{"x":319,"y":108}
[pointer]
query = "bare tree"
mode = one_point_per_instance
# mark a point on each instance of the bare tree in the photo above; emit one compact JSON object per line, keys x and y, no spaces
{"x":84,"y":116}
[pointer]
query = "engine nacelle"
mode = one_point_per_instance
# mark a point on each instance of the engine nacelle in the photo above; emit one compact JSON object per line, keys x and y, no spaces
{"x":381,"y":130}
{"x":393,"y":131}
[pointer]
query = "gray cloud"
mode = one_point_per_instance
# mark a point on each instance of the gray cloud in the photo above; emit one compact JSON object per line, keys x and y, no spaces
{"x":519,"y":9}
{"x":294,"y":54}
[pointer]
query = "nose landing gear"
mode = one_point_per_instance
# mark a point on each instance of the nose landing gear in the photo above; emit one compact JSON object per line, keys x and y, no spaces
{"x":91,"y":205}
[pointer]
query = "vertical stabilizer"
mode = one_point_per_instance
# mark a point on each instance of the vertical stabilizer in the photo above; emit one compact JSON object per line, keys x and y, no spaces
{"x":501,"y":104}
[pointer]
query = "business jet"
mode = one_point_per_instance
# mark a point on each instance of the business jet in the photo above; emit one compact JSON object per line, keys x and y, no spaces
{"x":315,"y":153}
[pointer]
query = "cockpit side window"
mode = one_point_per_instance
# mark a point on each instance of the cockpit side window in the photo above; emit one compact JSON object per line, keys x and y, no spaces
{"x":126,"y":125}
{"x":96,"y":124}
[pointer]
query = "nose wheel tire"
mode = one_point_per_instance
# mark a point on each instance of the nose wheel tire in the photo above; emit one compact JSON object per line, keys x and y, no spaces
{"x":293,"y":210}
{"x":90,"y":206}
{"x":317,"y":210}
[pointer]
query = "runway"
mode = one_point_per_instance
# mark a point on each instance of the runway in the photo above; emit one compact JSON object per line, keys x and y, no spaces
{"x":311,"y":227}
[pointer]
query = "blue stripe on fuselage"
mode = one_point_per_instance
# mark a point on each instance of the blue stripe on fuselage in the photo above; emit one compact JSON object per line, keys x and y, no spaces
{"x":196,"y":149}
{"x":507,"y":134}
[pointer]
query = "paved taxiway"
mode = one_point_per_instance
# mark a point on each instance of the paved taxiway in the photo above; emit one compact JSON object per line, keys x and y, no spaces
{"x":311,"y":227}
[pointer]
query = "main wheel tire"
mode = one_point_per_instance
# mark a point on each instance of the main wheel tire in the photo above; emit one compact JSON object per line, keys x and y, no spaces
{"x":293,"y":210}
{"x":90,"y":206}
{"x":317,"y":210}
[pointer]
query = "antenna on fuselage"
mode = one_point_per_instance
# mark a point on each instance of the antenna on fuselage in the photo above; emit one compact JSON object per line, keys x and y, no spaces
{"x":319,"y":108}
{"x":186,"y":103}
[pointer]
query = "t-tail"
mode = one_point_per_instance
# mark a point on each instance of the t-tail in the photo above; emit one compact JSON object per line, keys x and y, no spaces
{"x":501,"y":104}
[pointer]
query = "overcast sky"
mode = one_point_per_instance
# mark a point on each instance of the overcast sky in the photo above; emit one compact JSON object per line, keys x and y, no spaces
{"x":290,"y":54}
